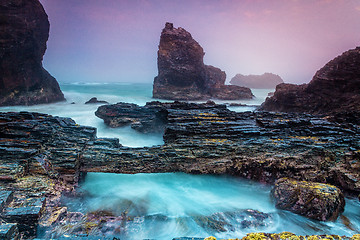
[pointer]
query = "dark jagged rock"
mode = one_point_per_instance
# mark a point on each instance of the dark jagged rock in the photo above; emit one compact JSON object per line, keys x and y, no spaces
{"x":266,"y":80}
{"x":334,"y":91}
{"x":94,"y":100}
{"x":182,"y":73}
{"x":314,"y":200}
{"x":24,"y":32}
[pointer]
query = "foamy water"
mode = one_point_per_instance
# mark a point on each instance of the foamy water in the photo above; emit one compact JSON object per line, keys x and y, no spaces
{"x":167,"y":205}
{"x":138,"y":93}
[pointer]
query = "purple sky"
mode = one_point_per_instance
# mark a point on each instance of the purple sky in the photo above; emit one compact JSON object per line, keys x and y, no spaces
{"x":117,"y":40}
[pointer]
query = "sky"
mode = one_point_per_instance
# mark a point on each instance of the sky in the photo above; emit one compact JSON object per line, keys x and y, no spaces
{"x":117,"y":40}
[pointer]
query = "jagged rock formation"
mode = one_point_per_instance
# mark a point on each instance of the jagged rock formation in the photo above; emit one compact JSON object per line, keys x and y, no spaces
{"x":183,"y":75}
{"x":319,"y":201}
{"x":266,"y":80}
{"x":43,"y":156}
{"x":334,"y":91}
{"x":24,"y":33}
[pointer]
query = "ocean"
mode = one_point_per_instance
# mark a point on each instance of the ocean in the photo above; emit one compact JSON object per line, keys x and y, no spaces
{"x":77,"y":94}
{"x":168,"y":205}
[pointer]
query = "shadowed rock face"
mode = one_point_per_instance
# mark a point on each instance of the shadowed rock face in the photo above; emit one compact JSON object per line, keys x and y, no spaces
{"x":266,"y":80}
{"x":183,"y":74}
{"x":23,"y":36}
{"x":334,"y":90}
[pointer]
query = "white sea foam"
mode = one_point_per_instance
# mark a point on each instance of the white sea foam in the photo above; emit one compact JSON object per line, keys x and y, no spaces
{"x":138,"y":93}
{"x":181,"y":198}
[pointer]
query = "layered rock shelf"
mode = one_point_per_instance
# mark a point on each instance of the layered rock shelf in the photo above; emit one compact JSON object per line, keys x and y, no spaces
{"x":43,"y":156}
{"x":183,"y":74}
{"x":24,"y":33}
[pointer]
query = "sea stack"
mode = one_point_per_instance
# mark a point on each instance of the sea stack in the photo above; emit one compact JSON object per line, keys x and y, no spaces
{"x":333,"y":91}
{"x":182,"y":74}
{"x":24,"y":33}
{"x":266,"y":80}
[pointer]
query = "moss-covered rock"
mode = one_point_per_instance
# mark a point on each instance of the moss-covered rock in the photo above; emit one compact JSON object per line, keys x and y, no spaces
{"x":314,"y":200}
{"x":289,"y":236}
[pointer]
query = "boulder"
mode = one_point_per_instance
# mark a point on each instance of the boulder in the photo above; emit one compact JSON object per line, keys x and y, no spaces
{"x":314,"y":200}
{"x":333,"y":91}
{"x":266,"y":80}
{"x":145,"y":119}
{"x":23,"y":37}
{"x":183,"y":74}
{"x":94,"y":100}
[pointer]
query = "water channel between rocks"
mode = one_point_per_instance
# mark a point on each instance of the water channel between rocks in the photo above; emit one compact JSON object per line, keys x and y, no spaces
{"x":168,"y":205}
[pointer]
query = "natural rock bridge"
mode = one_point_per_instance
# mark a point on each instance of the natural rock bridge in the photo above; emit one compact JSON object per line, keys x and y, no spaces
{"x":42,"y":155}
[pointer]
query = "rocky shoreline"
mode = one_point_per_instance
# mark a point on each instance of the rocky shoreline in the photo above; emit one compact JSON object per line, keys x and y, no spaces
{"x":45,"y":156}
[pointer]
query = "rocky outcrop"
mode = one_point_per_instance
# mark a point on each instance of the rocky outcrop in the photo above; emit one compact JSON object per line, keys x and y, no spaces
{"x":209,"y":138}
{"x":44,"y":156}
{"x":182,"y":73}
{"x":334,"y":91}
{"x":94,"y":100}
{"x":266,"y":80}
{"x":318,"y":201}
{"x":150,"y":118}
{"x":24,"y":33}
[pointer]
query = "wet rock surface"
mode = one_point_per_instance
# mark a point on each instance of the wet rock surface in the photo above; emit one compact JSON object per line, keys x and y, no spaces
{"x":333,"y":91}
{"x":182,"y":74}
{"x":23,"y":37}
{"x":314,"y":200}
{"x":50,"y":154}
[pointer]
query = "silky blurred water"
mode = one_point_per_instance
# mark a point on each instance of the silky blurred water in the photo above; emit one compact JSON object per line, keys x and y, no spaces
{"x":166,"y":205}
{"x":77,"y":94}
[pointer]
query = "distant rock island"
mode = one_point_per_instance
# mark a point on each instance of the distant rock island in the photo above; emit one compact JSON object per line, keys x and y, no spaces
{"x":334,"y":91}
{"x":24,"y":33}
{"x":266,"y":80}
{"x":182,"y":74}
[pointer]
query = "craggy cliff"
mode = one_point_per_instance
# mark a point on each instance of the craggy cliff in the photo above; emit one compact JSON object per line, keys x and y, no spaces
{"x":334,"y":90}
{"x":23,"y":36}
{"x":266,"y":80}
{"x":183,"y":74}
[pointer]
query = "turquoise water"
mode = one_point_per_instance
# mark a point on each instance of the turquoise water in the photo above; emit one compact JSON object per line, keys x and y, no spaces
{"x":168,"y":205}
{"x":84,"y":114}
